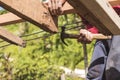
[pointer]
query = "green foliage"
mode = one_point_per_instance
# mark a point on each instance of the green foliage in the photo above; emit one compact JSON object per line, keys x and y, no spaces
{"x":3,"y":12}
{"x":41,"y":58}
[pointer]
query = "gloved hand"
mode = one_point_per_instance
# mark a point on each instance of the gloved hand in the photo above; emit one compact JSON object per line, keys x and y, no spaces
{"x":85,"y":36}
{"x":55,"y":6}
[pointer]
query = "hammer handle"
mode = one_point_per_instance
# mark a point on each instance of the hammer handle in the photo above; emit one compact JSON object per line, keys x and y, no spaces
{"x":95,"y":36}
{"x":101,"y":36}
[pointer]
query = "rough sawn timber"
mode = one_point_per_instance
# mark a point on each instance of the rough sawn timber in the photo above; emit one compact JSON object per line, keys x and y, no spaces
{"x":32,"y":11}
{"x":100,"y":13}
{"x":9,"y":18}
{"x":11,"y":38}
{"x":114,"y":2}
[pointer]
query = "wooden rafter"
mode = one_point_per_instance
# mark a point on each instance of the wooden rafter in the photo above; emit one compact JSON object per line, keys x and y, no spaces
{"x":11,"y":38}
{"x":114,"y":2}
{"x":49,"y":23}
{"x":100,"y":13}
{"x":32,"y":11}
{"x":9,"y":18}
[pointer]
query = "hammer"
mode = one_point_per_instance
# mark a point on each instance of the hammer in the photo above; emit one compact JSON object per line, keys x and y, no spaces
{"x":75,"y":36}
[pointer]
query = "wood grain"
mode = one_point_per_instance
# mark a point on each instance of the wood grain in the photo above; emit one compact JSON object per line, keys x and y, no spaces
{"x":11,"y":38}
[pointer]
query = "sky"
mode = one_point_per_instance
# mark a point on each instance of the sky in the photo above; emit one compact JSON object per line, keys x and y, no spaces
{"x":1,"y":8}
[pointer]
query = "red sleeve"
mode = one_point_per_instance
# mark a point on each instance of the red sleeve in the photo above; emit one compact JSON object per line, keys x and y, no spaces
{"x":89,"y":26}
{"x":92,"y":29}
{"x":117,"y":9}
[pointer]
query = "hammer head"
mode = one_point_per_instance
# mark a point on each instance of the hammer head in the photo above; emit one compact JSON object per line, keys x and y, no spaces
{"x":66,"y":35}
{"x":63,"y":35}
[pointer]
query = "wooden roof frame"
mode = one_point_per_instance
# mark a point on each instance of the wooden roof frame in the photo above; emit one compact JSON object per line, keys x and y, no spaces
{"x":47,"y":22}
{"x":11,"y":18}
{"x":69,"y":9}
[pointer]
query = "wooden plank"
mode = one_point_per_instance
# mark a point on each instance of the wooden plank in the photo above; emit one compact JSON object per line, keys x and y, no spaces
{"x":32,"y":11}
{"x":68,"y":9}
{"x":99,"y":13}
{"x":114,"y":2}
{"x":11,"y":38}
{"x":9,"y":18}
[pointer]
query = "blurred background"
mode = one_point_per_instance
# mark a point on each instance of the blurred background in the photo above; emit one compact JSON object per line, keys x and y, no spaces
{"x":45,"y":57}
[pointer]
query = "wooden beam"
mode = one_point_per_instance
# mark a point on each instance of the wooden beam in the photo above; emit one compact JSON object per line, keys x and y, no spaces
{"x":114,"y":2}
{"x":9,"y":18}
{"x":32,"y":11}
{"x":11,"y":38}
{"x":102,"y":16}
{"x":68,"y":9}
{"x":99,"y":13}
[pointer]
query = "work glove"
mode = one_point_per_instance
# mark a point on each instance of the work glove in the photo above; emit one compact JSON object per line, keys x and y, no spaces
{"x":54,"y":6}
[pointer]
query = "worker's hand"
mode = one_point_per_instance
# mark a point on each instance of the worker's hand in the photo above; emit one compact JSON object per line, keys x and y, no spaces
{"x":85,"y":36}
{"x":55,"y":6}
